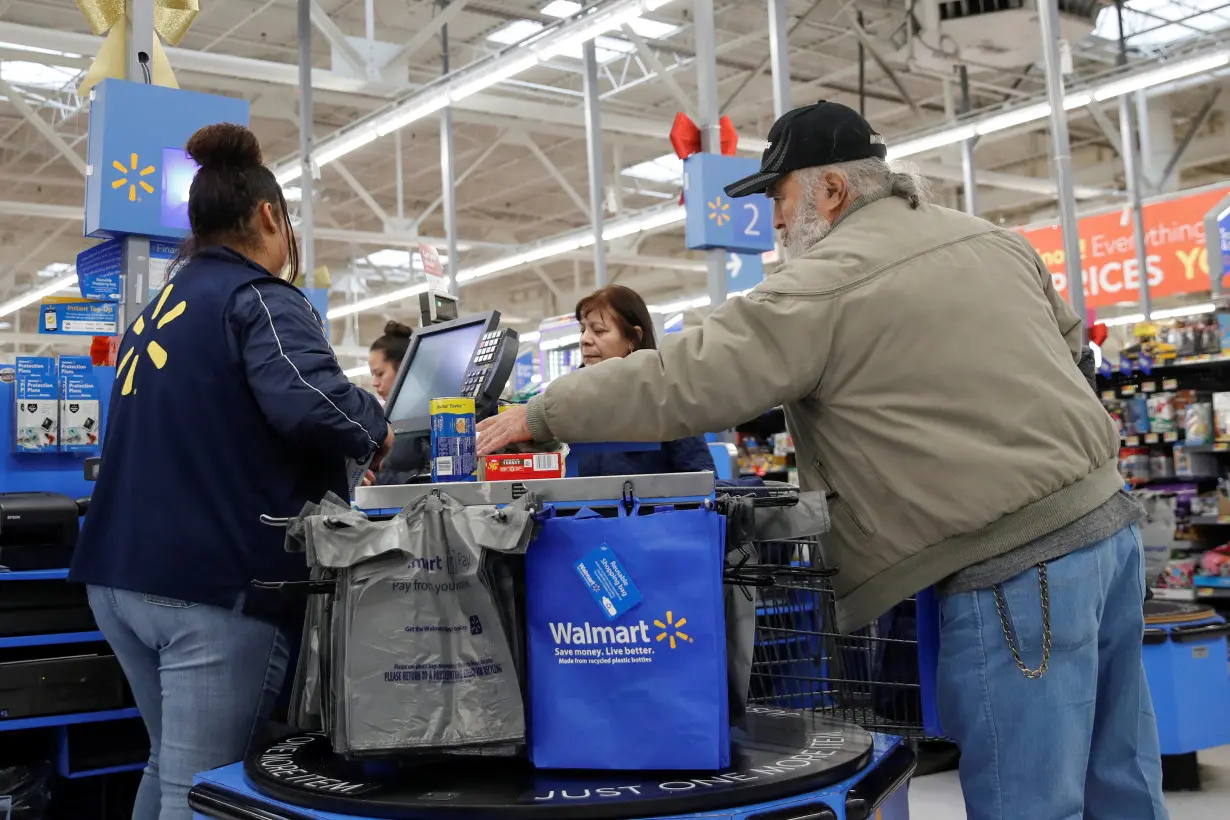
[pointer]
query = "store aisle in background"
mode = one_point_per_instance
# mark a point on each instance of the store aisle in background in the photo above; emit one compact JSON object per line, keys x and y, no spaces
{"x":938,"y":796}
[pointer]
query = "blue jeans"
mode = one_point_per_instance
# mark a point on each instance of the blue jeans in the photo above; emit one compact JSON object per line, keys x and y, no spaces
{"x":1079,"y":743}
{"x":204,"y":678}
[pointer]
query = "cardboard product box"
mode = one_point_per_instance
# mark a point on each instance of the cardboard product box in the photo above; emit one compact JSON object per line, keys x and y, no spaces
{"x":523,"y":467}
{"x":80,"y":407}
{"x":37,"y":411}
{"x":1221,"y":416}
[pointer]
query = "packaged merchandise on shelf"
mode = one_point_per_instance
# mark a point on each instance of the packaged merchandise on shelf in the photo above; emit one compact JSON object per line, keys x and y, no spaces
{"x":1180,"y":400}
{"x":1161,"y":466}
{"x":36,"y":411}
{"x":1198,"y":423}
{"x":1161,"y":413}
{"x":1221,"y":416}
{"x":1203,"y":505}
{"x":1134,"y":464}
{"x":1188,"y":464}
{"x":1137,"y":420}
{"x":80,"y":406}
{"x":1223,"y":332}
{"x":1177,"y":575}
{"x":1215,"y":563}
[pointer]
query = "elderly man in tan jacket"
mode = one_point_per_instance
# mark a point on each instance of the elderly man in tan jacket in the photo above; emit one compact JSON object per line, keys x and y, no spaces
{"x":928,"y":372}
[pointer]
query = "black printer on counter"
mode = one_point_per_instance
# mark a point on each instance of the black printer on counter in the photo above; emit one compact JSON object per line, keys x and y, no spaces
{"x":37,"y":530}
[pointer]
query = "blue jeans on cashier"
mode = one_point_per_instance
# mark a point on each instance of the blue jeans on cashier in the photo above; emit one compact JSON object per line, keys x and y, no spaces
{"x":204,"y":678}
{"x":1080,"y":742}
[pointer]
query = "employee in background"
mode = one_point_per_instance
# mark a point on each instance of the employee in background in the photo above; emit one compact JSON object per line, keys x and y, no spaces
{"x":616,"y":323}
{"x":410,"y":457}
{"x":228,"y":404}
{"x":385,"y":357}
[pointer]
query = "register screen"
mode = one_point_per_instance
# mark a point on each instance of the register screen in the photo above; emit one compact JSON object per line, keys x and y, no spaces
{"x":436,"y":371}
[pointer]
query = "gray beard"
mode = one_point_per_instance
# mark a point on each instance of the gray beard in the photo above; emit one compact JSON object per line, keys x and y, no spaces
{"x":806,"y":230}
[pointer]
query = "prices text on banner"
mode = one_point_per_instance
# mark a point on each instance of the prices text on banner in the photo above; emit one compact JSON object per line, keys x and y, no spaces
{"x":1174,"y":243}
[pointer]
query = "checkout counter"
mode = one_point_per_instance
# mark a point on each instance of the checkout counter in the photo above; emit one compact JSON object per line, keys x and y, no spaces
{"x":787,"y":764}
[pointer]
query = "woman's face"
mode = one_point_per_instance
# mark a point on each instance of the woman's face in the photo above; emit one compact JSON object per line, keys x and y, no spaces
{"x":601,"y":338}
{"x":383,"y":373}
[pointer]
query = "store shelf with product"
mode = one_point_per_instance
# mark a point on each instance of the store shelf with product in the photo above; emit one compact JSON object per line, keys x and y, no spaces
{"x":1170,"y":397}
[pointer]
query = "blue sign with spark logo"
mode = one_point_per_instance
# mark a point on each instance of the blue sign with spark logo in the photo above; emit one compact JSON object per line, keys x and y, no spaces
{"x":137,"y":176}
{"x":714,"y":220}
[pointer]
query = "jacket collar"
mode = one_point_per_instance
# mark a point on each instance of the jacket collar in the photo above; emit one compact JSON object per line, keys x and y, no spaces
{"x":857,"y":205}
{"x":221,"y":253}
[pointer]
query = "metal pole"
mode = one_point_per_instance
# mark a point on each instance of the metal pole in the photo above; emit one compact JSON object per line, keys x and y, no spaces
{"x":401,"y":179}
{"x":134,"y":250}
{"x":593,"y":145}
{"x":710,"y":131}
{"x":862,"y":67}
{"x":1131,"y":176}
{"x":449,"y":195}
{"x":779,"y":56}
{"x":1061,"y":153}
{"x":970,"y":182}
{"x":307,"y":227}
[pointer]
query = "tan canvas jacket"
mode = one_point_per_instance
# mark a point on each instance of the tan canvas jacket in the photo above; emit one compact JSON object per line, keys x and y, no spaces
{"x":927,"y":367}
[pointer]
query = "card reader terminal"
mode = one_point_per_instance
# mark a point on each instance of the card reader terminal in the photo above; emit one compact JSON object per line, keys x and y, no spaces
{"x":489,"y":369}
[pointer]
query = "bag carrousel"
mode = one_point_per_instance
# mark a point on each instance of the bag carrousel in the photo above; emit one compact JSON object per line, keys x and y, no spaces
{"x":627,"y":641}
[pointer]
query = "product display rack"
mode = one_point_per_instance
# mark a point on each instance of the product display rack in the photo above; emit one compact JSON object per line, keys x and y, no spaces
{"x":1205,"y":374}
{"x":61,"y":724}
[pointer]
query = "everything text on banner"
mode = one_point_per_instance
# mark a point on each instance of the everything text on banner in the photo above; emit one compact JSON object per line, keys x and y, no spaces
{"x":627,"y":643}
{"x":1174,"y":242}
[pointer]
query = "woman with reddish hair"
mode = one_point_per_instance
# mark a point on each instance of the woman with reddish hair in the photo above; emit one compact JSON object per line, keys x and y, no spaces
{"x":615,"y":323}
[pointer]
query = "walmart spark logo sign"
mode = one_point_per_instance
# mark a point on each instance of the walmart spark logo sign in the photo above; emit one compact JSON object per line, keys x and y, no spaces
{"x":156,"y":352}
{"x":672,"y":630}
{"x":132,"y":177}
{"x":719,"y":212}
{"x":714,"y":220}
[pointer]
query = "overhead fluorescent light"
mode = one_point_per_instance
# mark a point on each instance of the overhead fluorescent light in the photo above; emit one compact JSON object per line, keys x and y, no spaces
{"x":57,"y":269}
{"x":1157,"y":76}
{"x":37,"y":295}
{"x":496,"y":69}
{"x":1168,"y":313}
{"x":37,"y":75}
{"x":529,"y":338}
{"x":666,"y":168}
{"x":401,"y":117}
{"x":563,"y":341}
{"x":356,"y":371}
{"x":351,"y":142}
{"x":36,"y":50}
{"x":376,"y":301}
{"x":681,"y":306}
{"x":1039,"y":111}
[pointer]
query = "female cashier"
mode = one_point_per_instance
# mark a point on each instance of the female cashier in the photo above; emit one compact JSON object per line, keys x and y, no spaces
{"x":615,"y":323}
{"x":228,"y":404}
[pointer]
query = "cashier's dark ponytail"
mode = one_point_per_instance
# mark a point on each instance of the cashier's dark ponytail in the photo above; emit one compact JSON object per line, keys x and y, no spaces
{"x":227,"y":190}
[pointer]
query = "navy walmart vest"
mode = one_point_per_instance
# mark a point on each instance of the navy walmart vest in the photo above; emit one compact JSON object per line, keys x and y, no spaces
{"x":189,"y":462}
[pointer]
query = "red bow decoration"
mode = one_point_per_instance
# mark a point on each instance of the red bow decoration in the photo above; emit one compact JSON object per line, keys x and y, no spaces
{"x":1098,"y":334}
{"x":685,"y":138}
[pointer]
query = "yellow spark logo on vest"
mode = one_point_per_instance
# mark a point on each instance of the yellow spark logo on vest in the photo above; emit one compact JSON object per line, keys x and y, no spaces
{"x":156,"y":352}
{"x":719,"y":211}
{"x":136,"y":175}
{"x":672,"y":629}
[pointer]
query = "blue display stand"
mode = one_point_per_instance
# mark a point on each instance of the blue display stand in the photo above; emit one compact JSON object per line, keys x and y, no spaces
{"x":51,"y":472}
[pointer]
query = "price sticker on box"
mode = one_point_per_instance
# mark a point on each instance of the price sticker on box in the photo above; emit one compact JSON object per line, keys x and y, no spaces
{"x":1170,"y":384}
{"x":1127,"y":390}
{"x":1148,"y":387}
{"x":1132,"y":441}
{"x":1152,"y":438}
{"x":1109,"y":395}
{"x":1170,"y":437}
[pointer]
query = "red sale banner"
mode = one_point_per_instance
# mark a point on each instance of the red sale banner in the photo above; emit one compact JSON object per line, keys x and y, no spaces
{"x":1174,"y":244}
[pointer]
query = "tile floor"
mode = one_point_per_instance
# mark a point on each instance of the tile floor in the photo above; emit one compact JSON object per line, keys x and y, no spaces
{"x":938,"y":796}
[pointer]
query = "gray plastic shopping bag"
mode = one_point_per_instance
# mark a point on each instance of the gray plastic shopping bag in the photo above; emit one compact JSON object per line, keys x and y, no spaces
{"x":419,"y":658}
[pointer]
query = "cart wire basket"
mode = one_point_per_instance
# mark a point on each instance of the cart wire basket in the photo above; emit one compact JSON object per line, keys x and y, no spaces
{"x":880,"y":677}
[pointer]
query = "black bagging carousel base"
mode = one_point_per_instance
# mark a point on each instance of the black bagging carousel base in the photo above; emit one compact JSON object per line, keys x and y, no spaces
{"x":781,"y":754}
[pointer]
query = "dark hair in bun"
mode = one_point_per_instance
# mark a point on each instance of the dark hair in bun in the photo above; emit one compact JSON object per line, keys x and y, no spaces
{"x":229,"y":186}
{"x":395,"y":342}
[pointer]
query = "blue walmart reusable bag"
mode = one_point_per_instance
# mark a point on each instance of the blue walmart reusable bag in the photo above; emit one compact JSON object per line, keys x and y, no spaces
{"x":627,"y":641}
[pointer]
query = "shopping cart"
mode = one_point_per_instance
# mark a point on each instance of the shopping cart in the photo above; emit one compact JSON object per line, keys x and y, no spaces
{"x":881,"y":677}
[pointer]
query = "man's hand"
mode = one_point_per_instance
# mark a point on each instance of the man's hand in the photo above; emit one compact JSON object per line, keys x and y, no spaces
{"x":384,"y":450}
{"x":369,"y":478}
{"x":499,"y":431}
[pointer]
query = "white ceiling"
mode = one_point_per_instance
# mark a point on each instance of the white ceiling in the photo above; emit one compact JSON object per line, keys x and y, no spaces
{"x":520,"y":146}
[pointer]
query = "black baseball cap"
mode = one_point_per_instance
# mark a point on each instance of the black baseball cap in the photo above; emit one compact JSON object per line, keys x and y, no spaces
{"x":820,"y":134}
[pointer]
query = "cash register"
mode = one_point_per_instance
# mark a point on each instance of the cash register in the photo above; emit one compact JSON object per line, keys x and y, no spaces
{"x":470,"y":357}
